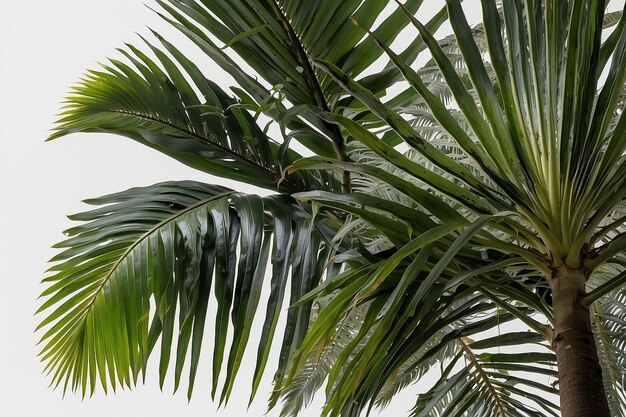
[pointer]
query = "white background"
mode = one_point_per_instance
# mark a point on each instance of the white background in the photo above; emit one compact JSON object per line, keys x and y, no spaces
{"x":44,"y":48}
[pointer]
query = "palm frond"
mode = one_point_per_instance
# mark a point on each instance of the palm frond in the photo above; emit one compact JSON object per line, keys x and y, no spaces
{"x":491,"y":383}
{"x":149,"y":257}
{"x":401,"y":325}
{"x":181,"y":113}
{"x":609,"y":325}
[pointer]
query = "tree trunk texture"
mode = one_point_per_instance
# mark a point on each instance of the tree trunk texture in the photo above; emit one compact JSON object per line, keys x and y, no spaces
{"x":580,"y":375}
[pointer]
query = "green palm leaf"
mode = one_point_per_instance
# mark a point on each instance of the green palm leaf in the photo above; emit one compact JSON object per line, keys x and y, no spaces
{"x":161,"y":109}
{"x":149,"y":258}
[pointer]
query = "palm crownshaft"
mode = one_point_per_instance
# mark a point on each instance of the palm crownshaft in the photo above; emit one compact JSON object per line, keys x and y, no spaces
{"x":506,"y":208}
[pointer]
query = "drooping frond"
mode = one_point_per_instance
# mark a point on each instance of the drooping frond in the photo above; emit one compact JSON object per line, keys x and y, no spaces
{"x":415,"y":300}
{"x":144,"y":265}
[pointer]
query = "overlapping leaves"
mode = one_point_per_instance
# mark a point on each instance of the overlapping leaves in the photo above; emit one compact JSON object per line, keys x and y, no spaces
{"x":405,"y":304}
{"x":278,"y":38}
{"x":170,"y":105}
{"x":519,"y":183}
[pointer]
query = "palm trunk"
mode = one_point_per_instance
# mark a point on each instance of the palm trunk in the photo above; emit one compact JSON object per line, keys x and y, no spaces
{"x":580,"y":376}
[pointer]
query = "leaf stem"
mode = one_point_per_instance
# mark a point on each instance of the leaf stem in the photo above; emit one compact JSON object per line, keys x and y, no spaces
{"x":604,"y":289}
{"x":316,"y":90}
{"x":607,"y":251}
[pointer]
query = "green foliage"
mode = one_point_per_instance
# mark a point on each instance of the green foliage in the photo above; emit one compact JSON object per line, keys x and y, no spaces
{"x":174,"y":245}
{"x":415,"y":222}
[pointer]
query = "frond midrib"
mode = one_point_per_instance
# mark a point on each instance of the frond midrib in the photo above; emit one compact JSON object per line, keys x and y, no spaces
{"x":483,"y":375}
{"x":143,"y":237}
{"x":278,"y":178}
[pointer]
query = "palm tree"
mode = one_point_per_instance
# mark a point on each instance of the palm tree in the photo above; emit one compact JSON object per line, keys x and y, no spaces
{"x":419,"y":215}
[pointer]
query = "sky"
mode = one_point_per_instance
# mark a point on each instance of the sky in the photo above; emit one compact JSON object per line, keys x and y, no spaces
{"x":44,"y":48}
